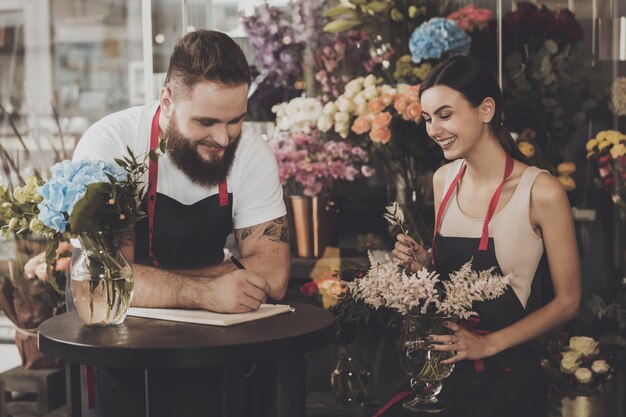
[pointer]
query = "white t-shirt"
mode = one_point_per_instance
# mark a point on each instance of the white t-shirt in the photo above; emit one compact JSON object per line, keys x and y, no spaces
{"x":253,"y":179}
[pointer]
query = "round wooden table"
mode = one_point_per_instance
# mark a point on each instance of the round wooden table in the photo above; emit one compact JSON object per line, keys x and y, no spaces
{"x":170,"y":368}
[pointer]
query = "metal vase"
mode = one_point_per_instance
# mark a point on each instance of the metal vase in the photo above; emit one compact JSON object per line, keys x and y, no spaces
{"x":313,"y":222}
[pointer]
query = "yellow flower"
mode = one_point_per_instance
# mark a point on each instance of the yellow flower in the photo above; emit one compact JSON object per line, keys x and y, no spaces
{"x":604,"y":144}
{"x":601,"y":136}
{"x":567,"y":182}
{"x":591,"y":154}
{"x":613,"y":136}
{"x":527,"y":148}
{"x":618,"y":150}
{"x":591,"y":143}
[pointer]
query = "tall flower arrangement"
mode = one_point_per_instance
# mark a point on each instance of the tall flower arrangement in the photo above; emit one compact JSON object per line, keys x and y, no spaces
{"x":386,"y":121}
{"x":308,"y":164}
{"x":549,"y":85}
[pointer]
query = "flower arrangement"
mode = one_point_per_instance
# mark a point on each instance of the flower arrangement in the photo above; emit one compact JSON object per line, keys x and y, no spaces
{"x":607,"y":152}
{"x":307,"y":164}
{"x":83,"y":197}
{"x":328,"y":287}
{"x":436,"y":37}
{"x":578,"y":366}
{"x":388,"y":285}
{"x":550,"y":87}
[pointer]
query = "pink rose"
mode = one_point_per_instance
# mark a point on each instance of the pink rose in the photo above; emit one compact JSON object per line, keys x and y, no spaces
{"x":367,"y":171}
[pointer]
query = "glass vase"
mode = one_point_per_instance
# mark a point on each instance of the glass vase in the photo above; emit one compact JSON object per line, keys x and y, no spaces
{"x":424,"y":364}
{"x":349,"y":379}
{"x":101,"y":280}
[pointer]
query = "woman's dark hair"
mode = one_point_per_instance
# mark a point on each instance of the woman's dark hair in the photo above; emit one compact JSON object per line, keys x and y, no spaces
{"x":475,"y":80}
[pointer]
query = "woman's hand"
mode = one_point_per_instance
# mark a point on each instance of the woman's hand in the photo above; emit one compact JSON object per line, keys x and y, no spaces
{"x":466,"y":344}
{"x":409,"y":254}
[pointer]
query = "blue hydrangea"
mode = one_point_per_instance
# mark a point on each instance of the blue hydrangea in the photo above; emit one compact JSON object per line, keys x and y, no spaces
{"x":67,"y":185}
{"x":432,"y":39}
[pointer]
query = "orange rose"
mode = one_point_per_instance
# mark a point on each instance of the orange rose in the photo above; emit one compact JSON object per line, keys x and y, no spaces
{"x":361,"y":125}
{"x":382,"y":120}
{"x":401,"y":104}
{"x":413,"y":111}
{"x":414,"y":92}
{"x":381,"y":134}
{"x":375,"y":105}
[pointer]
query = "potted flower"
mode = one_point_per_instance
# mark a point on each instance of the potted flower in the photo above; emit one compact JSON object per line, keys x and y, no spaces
{"x":313,"y":172}
{"x":581,"y":374}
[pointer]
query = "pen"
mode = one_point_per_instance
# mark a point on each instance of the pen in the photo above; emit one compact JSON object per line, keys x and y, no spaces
{"x":239,"y":265}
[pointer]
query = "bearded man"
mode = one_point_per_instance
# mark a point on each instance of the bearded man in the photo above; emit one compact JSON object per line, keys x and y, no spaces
{"x":215,"y":175}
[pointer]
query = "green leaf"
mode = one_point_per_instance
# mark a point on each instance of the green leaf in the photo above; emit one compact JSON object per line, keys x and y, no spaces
{"x":339,"y":26}
{"x":359,"y":2}
{"x":51,"y":255}
{"x":162,"y":144}
{"x":549,"y":79}
{"x":376,"y":7}
{"x":339,"y":10}
{"x":514,"y":60}
{"x":546,"y":66}
{"x":86,"y":211}
{"x":121,"y":162}
{"x":551,"y":46}
{"x":153,"y":156}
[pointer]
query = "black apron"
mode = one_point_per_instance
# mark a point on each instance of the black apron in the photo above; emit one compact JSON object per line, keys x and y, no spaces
{"x":177,"y":235}
{"x":510,"y":383}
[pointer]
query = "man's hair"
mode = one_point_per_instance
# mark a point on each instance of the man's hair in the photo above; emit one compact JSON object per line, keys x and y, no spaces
{"x":206,"y":55}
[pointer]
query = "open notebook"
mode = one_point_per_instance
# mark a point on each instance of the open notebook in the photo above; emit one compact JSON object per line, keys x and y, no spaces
{"x":208,"y":317}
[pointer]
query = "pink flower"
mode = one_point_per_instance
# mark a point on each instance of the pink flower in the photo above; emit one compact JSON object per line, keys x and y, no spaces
{"x":313,"y":190}
{"x":367,"y":171}
{"x":351,"y":173}
{"x":338,"y":170}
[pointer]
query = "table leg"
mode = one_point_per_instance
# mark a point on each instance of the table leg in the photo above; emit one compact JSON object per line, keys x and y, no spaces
{"x":183,"y":392}
{"x":72,"y":389}
{"x":233,"y":391}
{"x":290,"y":391}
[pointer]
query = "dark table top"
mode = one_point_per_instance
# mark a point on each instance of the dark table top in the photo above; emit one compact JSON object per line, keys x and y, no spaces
{"x":150,"y":343}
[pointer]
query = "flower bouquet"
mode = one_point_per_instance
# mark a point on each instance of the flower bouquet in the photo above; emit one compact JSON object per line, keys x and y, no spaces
{"x":607,"y":153}
{"x":578,"y":367}
{"x":93,"y":201}
{"x":425,"y":302}
{"x":307,"y":164}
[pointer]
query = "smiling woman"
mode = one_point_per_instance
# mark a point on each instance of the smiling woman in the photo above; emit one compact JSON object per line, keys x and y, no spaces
{"x":494,"y":208}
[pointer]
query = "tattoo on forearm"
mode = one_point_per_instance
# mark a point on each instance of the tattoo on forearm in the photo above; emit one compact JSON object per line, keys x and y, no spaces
{"x":276,"y":230}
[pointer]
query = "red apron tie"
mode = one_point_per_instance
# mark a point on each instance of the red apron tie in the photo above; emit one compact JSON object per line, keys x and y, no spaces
{"x":396,"y":398}
{"x":484,"y":239}
{"x":153,"y":175}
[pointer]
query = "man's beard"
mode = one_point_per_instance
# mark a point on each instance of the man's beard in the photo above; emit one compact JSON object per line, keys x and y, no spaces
{"x":184,"y":153}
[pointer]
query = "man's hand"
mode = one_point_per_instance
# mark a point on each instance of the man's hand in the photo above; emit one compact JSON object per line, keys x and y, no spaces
{"x":239,"y":291}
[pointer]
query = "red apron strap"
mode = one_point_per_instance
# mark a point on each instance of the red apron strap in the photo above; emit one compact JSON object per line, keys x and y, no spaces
{"x":484,"y":239}
{"x":398,"y":397}
{"x":90,"y":387}
{"x":442,"y":207}
{"x":153,"y":175}
{"x":223,"y":187}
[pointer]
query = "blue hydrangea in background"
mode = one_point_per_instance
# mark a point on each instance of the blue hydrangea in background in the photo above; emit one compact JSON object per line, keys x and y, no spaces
{"x":67,"y":185}
{"x":432,"y":39}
